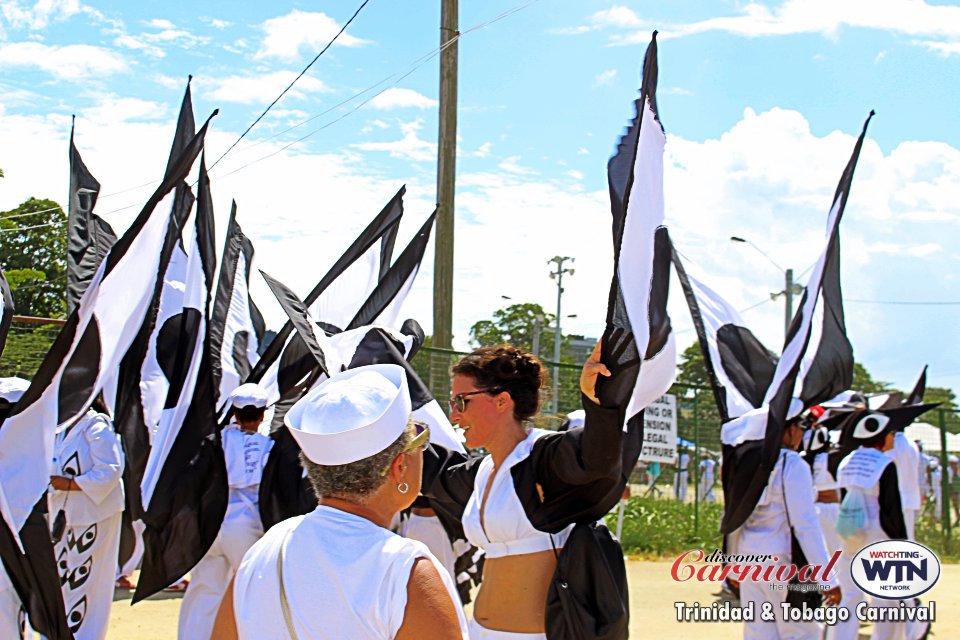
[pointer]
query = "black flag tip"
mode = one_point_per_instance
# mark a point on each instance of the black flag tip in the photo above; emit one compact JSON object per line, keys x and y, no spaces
{"x":189,"y":78}
{"x":215,"y":112}
{"x":869,"y":117}
{"x":655,"y":32}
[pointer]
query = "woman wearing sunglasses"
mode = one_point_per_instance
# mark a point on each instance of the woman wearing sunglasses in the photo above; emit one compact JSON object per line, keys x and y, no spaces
{"x":533,"y":483}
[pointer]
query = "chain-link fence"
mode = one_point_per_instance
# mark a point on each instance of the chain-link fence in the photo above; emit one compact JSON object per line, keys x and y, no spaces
{"x":28,"y":342}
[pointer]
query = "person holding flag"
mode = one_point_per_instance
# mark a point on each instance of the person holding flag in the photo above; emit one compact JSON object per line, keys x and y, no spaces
{"x":245,"y":452}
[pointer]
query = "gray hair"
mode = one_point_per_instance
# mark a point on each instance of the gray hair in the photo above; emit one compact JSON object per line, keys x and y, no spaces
{"x":355,"y":481}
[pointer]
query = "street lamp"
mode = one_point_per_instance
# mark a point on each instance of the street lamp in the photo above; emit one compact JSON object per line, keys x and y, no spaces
{"x":789,"y":288}
{"x":558,"y":276}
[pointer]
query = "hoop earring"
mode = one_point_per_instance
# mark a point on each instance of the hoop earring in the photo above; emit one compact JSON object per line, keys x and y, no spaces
{"x":403,"y":487}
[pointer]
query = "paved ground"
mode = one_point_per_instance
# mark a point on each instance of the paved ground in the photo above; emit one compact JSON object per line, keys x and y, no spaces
{"x":652,"y":597}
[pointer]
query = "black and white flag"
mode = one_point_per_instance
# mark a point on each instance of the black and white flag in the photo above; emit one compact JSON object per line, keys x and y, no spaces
{"x":236,"y":327}
{"x":752,"y":442}
{"x":638,"y":292}
{"x":6,"y":310}
{"x":88,"y":348}
{"x":919,"y":389}
{"x":89,"y":237}
{"x":738,"y":366}
{"x":284,"y":361}
{"x":184,"y":485}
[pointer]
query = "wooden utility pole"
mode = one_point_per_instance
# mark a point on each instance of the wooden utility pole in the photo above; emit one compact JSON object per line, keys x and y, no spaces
{"x":446,"y":172}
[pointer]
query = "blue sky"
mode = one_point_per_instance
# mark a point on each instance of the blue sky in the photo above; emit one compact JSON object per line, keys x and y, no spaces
{"x":760,"y":101}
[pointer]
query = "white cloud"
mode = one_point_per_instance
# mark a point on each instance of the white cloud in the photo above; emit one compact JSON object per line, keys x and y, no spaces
{"x":216,"y":23}
{"x":19,"y":15}
{"x":251,"y":89}
{"x":943,"y":48}
{"x":583,"y":151}
{"x":512,"y":165}
{"x":676,"y":91}
{"x":574,"y":175}
{"x":160,"y":23}
{"x":71,"y":62}
{"x":605,"y":77}
{"x":827,"y":17}
{"x":410,"y":147}
{"x":287,"y":35}
{"x":396,"y":98}
{"x":113,"y":109}
{"x":616,"y":16}
{"x":131,"y":42}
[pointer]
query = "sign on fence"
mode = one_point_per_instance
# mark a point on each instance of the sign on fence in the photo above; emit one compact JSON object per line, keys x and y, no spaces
{"x":660,"y":430}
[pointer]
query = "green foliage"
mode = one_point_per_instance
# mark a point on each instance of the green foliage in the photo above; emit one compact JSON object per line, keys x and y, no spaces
{"x":653,"y":527}
{"x":517,"y":325}
{"x":33,"y":257}
{"x":695,"y":399}
{"x":863,"y":381}
{"x":25,"y":350}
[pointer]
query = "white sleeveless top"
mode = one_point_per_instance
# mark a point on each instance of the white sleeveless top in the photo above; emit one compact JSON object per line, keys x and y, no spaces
{"x":245,"y":454}
{"x":823,"y":480}
{"x":505,"y":529}
{"x":344,"y":578}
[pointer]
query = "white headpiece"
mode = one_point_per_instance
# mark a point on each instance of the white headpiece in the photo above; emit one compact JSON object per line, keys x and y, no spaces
{"x":247,"y":395}
{"x":870,"y":425}
{"x":352,"y":415}
{"x":11,"y":389}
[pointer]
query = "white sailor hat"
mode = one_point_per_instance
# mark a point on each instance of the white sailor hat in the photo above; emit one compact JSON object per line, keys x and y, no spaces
{"x":869,"y":425}
{"x":577,"y":418}
{"x":952,"y":458}
{"x":11,"y":389}
{"x":249,"y":395}
{"x":352,"y":415}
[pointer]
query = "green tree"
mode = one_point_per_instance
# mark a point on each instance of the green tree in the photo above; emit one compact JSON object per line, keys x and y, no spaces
{"x":33,"y":255}
{"x":696,"y":405}
{"x":516,"y":325}
{"x":864,"y":382}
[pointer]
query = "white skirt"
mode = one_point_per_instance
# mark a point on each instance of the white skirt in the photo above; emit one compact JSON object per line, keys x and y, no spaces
{"x":478,"y":632}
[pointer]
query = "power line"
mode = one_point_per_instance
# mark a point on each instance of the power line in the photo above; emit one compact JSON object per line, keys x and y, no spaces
{"x":31,"y":213}
{"x":905,"y":302}
{"x":290,"y":86}
{"x":36,"y":226}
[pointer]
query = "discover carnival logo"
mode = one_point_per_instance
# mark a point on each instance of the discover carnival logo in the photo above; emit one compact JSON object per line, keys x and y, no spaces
{"x":895,"y":569}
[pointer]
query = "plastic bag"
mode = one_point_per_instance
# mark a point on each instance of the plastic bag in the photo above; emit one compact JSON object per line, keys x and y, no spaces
{"x":852,"y":520}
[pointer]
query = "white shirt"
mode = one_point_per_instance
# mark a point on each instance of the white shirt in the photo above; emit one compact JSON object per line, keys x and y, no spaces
{"x":906,"y":456}
{"x":706,"y":467}
{"x":766,"y":530}
{"x":90,"y":453}
{"x":823,"y":480}
{"x":344,"y":577}
{"x":683,"y":463}
{"x":505,"y":529}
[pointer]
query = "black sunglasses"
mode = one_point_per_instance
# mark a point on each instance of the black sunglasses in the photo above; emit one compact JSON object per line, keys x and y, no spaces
{"x":459,"y":401}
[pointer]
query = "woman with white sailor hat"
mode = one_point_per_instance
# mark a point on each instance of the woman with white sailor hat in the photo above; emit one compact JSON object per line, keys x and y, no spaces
{"x":339,"y":572}
{"x":245,"y":452}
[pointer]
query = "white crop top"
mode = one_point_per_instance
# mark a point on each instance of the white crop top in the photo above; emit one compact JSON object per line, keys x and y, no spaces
{"x":505,"y":530}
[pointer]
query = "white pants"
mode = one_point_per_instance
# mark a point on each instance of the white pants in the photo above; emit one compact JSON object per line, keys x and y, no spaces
{"x":478,"y":632}
{"x":706,"y":490}
{"x":910,"y":518}
{"x":851,"y":596}
{"x":134,"y":562}
{"x":680,"y":486}
{"x":210,"y":578}
{"x":9,"y":613}
{"x":87,"y":562}
{"x":429,"y":531}
{"x":759,"y":593}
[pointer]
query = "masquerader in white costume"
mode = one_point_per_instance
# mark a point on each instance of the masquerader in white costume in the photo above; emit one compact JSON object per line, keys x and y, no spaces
{"x":681,"y":474}
{"x":935,"y":474}
{"x":707,"y":480}
{"x":85,"y":477}
{"x":787,"y":501}
{"x":906,"y":456}
{"x":11,"y":389}
{"x":245,"y":453}
{"x":339,"y":572}
{"x":871,"y":511}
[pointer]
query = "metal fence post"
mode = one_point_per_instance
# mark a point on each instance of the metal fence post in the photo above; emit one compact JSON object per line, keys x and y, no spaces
{"x":696,"y":447}
{"x":944,"y":481}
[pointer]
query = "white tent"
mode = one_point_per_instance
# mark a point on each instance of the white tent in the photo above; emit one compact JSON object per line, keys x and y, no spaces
{"x":929,"y":437}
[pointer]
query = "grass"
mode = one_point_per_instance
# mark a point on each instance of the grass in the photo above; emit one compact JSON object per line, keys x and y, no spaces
{"x":655,"y":528}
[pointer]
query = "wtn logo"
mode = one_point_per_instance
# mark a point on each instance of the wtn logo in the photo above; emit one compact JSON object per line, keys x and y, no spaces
{"x":895,"y":569}
{"x":903,"y":570}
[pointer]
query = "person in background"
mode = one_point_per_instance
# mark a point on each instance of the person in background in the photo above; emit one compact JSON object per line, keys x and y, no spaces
{"x":785,"y":511}
{"x":85,"y":505}
{"x":681,"y":474}
{"x":707,"y":479}
{"x":907,"y":458}
{"x":935,"y":474}
{"x":245,"y":452}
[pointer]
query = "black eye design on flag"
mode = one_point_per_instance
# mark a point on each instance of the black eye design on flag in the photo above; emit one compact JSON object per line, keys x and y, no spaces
{"x":76,"y":614}
{"x":78,"y":576}
{"x":72,"y":466}
{"x":174,"y":344}
{"x":62,"y":566}
{"x":80,"y":374}
{"x":86,"y":540}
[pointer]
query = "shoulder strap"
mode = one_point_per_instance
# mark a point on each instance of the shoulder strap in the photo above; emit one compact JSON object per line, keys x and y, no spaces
{"x":284,"y":604}
{"x":783,"y":487}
